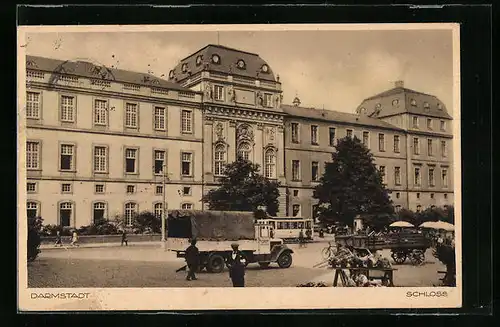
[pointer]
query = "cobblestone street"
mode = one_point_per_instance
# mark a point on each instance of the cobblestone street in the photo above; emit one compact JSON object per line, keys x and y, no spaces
{"x":141,"y":265}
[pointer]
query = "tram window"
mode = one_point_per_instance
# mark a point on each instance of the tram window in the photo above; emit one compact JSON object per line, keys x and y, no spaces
{"x":295,"y":224}
{"x":285,"y":225}
{"x":280,"y":225}
{"x":301,"y":225}
{"x":308,"y":224}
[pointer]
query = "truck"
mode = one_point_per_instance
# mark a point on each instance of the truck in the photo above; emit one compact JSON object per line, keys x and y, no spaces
{"x":215,"y":231}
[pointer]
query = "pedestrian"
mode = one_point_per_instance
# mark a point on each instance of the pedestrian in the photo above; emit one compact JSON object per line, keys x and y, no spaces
{"x":124,"y":238}
{"x":236,"y":263}
{"x":301,"y":239}
{"x":58,"y":239}
{"x":74,"y":239}
{"x":192,"y":260}
{"x":271,"y":233}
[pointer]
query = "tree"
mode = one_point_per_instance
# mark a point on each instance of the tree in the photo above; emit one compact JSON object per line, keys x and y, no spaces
{"x":449,"y":214}
{"x":34,"y":239}
{"x":147,"y":222}
{"x":351,"y":185}
{"x":244,"y":189}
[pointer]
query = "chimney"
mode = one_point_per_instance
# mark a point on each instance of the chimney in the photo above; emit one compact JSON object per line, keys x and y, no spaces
{"x":399,"y":84}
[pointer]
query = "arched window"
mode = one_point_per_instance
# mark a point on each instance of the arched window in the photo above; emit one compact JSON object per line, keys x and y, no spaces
{"x":270,"y":163}
{"x":244,"y":151}
{"x":65,"y":213}
{"x":130,"y":212}
{"x":32,"y":209}
{"x":99,"y":211}
{"x":158,"y":210}
{"x":220,"y":159}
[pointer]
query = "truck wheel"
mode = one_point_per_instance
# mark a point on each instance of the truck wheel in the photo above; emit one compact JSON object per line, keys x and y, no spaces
{"x":285,"y":260}
{"x":215,"y":263}
{"x":264,"y":265}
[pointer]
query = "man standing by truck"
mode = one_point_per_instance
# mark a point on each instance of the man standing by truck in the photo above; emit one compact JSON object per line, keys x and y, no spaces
{"x":192,"y":260}
{"x":236,"y":263}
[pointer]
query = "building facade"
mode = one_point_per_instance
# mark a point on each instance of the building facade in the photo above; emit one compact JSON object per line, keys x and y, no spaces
{"x":125,"y":141}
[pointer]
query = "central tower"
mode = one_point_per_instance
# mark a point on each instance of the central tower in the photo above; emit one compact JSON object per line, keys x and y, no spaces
{"x":242,"y":113}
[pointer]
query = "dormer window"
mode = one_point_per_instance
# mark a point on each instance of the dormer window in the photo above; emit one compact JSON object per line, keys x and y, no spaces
{"x":413,"y":102}
{"x":378,"y":106}
{"x":265,"y":68}
{"x":427,"y":107}
{"x":184,"y":68}
{"x":395,"y":102}
{"x":216,"y":59}
{"x":241,"y":64}
{"x":198,"y":60}
{"x":171,"y":74}
{"x":439,"y":106}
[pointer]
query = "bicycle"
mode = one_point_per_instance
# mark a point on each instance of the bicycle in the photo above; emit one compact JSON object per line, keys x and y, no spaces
{"x":329,"y":251}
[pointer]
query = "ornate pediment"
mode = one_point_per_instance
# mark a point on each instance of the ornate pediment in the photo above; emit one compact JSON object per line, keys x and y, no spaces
{"x":244,"y":132}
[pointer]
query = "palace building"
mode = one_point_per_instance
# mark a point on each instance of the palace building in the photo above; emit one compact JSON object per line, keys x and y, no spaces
{"x":124,"y":141}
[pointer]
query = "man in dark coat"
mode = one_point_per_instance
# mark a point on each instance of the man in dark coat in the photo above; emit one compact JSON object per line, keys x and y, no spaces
{"x":236,"y":263}
{"x":192,"y":260}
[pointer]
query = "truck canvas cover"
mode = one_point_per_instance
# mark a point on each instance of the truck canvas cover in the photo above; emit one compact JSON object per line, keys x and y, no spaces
{"x":211,"y":225}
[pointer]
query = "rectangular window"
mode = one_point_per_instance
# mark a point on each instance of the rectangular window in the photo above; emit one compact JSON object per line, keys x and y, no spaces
{"x":99,"y":212}
{"x":186,"y":163}
{"x":67,"y":108}
{"x":100,"y":112}
{"x":158,"y":210}
{"x":131,"y":115}
{"x":314,"y":134}
{"x":159,"y":189}
{"x":444,"y":177}
{"x":268,"y":100}
{"x":218,"y":93}
{"x":415,"y":122}
{"x":32,"y":155}
{"x":443,"y":148}
{"x":417,"y":176}
{"x":381,"y":142}
{"x":429,"y":147}
{"x":99,"y":188}
{"x":100,"y":159}
{"x":315,"y":171}
{"x":160,"y":118}
{"x":65,"y":188}
{"x":429,"y":123}
{"x":381,"y":170}
{"x":130,"y":189}
{"x":349,"y":133}
{"x":398,"y":195}
{"x":331,"y":133}
{"x":31,"y":187}
{"x":443,"y":125}
{"x":366,"y":139}
{"x":296,"y":210}
{"x":295,"y":170}
{"x":159,"y":162}
{"x":396,"y":143}
{"x":187,"y":206}
{"x":33,"y":105}
{"x":131,"y":161}
{"x":186,"y":190}
{"x":130,"y":213}
{"x":67,"y":157}
{"x":416,"y":146}
{"x":431,"y":177}
{"x":295,"y":132}
{"x":187,"y":121}
{"x":397,"y":175}
{"x":295,"y":192}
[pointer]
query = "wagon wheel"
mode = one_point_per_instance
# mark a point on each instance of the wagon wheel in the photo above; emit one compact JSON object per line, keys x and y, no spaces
{"x":326,"y":253}
{"x":399,"y":257}
{"x":418,"y":257}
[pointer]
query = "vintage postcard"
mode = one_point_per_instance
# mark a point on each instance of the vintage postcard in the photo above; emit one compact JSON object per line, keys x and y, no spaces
{"x":203,"y":167}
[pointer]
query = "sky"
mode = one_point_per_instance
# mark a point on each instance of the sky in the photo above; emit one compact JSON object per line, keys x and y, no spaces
{"x":334,"y":70}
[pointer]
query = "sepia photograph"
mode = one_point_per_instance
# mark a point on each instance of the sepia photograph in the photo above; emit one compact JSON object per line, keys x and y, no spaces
{"x":159,"y":163}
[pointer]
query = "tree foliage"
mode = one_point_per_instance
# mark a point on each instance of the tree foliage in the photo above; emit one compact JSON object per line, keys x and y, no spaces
{"x":351,"y":185}
{"x":34,"y":239}
{"x":244,"y":189}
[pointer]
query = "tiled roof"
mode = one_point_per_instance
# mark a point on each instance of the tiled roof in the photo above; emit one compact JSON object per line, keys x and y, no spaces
{"x":95,"y":70}
{"x":336,"y":116}
{"x":227,"y":65}
{"x":411,"y":102}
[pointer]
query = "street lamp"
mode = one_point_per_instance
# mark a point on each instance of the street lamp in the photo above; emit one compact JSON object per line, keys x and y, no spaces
{"x":164,"y":206}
